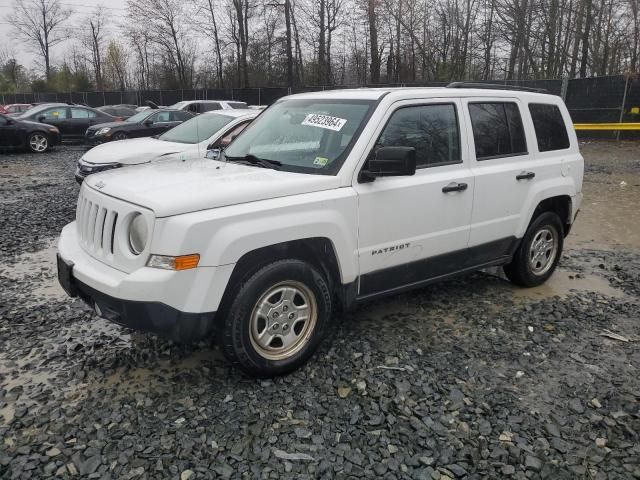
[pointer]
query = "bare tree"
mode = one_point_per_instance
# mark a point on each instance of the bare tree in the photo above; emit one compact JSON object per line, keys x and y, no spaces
{"x":165,"y":20}
{"x":38,"y":22}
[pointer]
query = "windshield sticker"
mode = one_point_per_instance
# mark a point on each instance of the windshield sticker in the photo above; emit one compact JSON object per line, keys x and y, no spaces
{"x":324,"y":121}
{"x":321,"y":161}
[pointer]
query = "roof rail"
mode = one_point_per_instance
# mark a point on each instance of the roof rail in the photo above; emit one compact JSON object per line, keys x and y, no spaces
{"x":495,"y":86}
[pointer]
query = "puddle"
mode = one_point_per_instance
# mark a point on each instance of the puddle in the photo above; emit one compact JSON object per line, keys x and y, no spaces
{"x":563,"y":283}
{"x":40,"y":266}
{"x":609,"y":215}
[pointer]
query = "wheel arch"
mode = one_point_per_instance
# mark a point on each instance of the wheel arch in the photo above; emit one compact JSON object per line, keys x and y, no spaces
{"x":318,"y":251}
{"x":559,"y":204}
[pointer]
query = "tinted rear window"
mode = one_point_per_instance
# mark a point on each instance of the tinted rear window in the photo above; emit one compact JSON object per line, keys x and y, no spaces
{"x":497,"y":130}
{"x":551,"y":132}
{"x":237,"y":105}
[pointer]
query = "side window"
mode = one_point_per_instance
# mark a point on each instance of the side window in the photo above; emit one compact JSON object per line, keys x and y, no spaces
{"x":497,"y":130}
{"x":82,"y":113}
{"x":194,"y":107}
{"x":161,"y":117}
{"x":211,"y":106}
{"x":551,"y":132}
{"x":431,"y":129}
{"x":180,"y":116}
{"x":59,"y":113}
{"x":237,"y":105}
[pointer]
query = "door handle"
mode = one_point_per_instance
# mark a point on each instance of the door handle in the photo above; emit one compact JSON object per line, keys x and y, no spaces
{"x":525,"y":176}
{"x":454,"y":187}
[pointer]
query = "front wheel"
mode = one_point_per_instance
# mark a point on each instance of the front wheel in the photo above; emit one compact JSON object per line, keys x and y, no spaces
{"x":120,"y":136}
{"x":38,"y":142}
{"x":539,"y":252}
{"x":277,"y":319}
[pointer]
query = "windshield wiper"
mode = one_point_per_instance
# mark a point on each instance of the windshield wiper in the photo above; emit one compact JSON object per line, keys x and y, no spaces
{"x":253,"y":160}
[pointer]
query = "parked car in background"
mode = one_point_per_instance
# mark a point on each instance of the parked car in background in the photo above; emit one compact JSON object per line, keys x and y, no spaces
{"x":16,"y":108}
{"x":203,"y":135}
{"x":201,"y":106}
{"x":71,"y":120}
{"x":36,"y":137}
{"x":327,"y":200}
{"x":142,"y":124}
{"x":120,"y":111}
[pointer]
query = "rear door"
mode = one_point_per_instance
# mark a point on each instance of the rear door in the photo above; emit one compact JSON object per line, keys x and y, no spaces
{"x":506,"y":170}
{"x":81,"y":119}
{"x":414,"y":228}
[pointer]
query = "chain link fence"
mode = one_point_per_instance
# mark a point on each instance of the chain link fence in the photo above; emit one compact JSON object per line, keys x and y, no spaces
{"x":589,"y":100}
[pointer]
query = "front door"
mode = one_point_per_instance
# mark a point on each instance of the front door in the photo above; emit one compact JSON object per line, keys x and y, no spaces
{"x":415,"y":228}
{"x":58,"y":117}
{"x":9,"y":133}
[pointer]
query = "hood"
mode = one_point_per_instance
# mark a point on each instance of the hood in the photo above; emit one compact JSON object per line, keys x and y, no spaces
{"x":176,"y":187}
{"x":98,"y":126}
{"x":135,"y":151}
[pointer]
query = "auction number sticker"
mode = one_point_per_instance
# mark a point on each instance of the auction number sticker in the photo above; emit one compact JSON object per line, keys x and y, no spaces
{"x":324,"y":121}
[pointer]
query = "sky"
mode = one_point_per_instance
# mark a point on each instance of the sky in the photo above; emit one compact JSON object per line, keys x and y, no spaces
{"x":82,"y":8}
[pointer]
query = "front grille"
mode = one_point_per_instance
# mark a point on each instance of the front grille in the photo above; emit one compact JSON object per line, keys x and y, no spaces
{"x":102,"y":223}
{"x":97,"y":226}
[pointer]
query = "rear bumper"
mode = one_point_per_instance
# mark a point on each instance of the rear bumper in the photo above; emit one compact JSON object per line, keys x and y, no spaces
{"x":154,"y":317}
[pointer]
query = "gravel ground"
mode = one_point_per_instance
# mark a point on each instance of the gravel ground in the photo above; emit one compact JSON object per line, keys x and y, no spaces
{"x":470,"y":378}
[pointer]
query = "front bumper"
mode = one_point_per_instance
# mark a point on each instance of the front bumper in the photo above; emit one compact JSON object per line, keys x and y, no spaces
{"x":91,"y":139}
{"x":170,"y":304}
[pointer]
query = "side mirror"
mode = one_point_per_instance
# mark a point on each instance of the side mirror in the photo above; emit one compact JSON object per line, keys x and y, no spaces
{"x":389,"y":162}
{"x":213,"y":153}
{"x":148,"y":123}
{"x":42,"y":118}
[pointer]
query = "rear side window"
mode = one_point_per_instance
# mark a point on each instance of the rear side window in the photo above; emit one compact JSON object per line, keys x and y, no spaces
{"x":82,"y":113}
{"x":431,"y":129}
{"x":551,"y":132}
{"x":180,"y":116}
{"x":497,"y":130}
{"x":237,"y":104}
{"x":211,"y":106}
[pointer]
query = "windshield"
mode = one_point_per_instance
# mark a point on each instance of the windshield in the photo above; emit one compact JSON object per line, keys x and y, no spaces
{"x":196,"y":129}
{"x":179,"y":105}
{"x":310,"y":136}
{"x":138,"y":117}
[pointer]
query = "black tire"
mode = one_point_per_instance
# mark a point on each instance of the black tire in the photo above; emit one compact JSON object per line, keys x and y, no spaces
{"x":237,"y":341}
{"x":38,"y":142}
{"x":522,"y":269}
{"x":120,"y":136}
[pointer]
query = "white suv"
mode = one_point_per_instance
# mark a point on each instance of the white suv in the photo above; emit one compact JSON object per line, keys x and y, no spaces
{"x":327,"y":199}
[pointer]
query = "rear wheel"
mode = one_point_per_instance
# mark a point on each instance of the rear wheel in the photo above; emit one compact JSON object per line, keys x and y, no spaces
{"x":38,"y":142}
{"x":539,"y":252}
{"x":120,"y":136}
{"x":277,"y":319}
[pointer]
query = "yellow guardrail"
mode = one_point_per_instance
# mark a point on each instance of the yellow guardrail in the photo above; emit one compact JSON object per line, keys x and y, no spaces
{"x":607,"y":126}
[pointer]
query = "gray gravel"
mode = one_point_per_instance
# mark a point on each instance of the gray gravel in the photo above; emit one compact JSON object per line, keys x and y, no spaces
{"x":470,"y":378}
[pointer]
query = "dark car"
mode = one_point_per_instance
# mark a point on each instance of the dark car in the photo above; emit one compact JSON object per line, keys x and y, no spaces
{"x":121,"y":111}
{"x":143,"y":124}
{"x":17,"y":133}
{"x":71,"y":120}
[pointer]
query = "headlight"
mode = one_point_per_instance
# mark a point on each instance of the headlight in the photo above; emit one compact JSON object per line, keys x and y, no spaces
{"x":102,"y":131}
{"x":138,"y":234}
